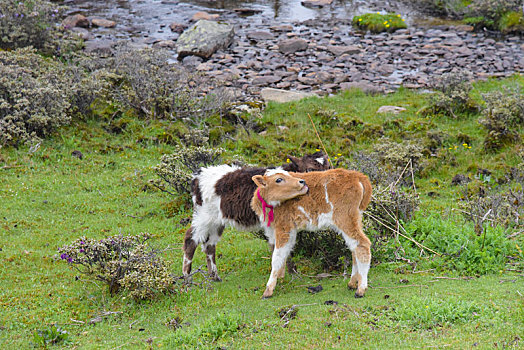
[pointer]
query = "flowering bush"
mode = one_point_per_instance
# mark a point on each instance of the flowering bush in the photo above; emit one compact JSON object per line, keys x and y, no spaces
{"x":122,"y":262}
{"x":37,"y":95}
{"x":33,"y":23}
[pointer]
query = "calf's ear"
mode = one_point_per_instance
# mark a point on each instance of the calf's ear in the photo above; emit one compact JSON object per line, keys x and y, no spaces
{"x":259,"y":181}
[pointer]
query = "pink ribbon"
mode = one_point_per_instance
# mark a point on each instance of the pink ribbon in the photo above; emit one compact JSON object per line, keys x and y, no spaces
{"x":270,"y":215}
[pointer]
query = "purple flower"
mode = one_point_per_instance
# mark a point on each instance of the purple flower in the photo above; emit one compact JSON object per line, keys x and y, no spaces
{"x":82,"y":250}
{"x":69,"y":260}
{"x":82,"y":242}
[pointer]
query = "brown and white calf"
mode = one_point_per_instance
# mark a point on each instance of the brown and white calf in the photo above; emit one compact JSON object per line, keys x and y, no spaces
{"x":336,"y":199}
{"x":222,"y":197}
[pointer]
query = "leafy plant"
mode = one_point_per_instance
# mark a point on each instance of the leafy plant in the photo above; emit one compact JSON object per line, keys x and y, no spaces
{"x":377,"y":22}
{"x":428,"y":313}
{"x":219,"y":326}
{"x":123,"y":263}
{"x":52,"y":335}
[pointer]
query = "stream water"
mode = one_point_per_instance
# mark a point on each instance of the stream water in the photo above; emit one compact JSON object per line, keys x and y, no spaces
{"x":150,"y":18}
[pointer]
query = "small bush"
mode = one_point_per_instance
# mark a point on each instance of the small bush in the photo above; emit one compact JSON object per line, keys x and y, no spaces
{"x":325,"y":246}
{"x":154,"y":88}
{"x":400,"y":161}
{"x":33,"y":23}
{"x":176,"y":170}
{"x":452,"y":94}
{"x":124,"y":263}
{"x":493,"y":9}
{"x":429,"y":313}
{"x":502,"y":116}
{"x":377,"y":23}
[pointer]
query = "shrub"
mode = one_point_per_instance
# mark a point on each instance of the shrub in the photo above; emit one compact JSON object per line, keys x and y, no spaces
{"x":493,"y":9}
{"x":502,"y":116}
{"x":177,"y":169}
{"x":37,"y":95}
{"x":154,"y":88}
{"x":325,"y":246}
{"x":26,"y":23}
{"x":452,"y":93}
{"x":123,"y":263}
{"x":511,"y":22}
{"x":377,"y":23}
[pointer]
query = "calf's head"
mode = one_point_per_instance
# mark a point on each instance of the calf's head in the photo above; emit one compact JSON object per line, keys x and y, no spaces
{"x":310,"y":162}
{"x":279,"y":187}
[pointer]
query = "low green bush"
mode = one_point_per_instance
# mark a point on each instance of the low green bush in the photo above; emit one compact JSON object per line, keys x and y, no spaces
{"x":52,"y":335}
{"x":377,"y":22}
{"x":452,"y":94}
{"x":502,"y":116}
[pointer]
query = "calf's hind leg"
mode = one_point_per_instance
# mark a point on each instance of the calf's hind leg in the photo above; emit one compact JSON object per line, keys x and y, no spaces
{"x":284,"y":245}
{"x":189,"y":251}
{"x":209,"y":248}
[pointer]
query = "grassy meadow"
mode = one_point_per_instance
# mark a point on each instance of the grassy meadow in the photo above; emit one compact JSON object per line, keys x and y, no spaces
{"x":49,"y":198}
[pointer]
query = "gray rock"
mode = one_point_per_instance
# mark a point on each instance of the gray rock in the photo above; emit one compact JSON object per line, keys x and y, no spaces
{"x":103,"y":48}
{"x":316,"y":3}
{"x":339,"y":50}
{"x":204,"y":38}
{"x":260,"y":35}
{"x":177,"y":27}
{"x":82,"y":33}
{"x":202,"y":15}
{"x":292,"y":45}
{"x":390,"y":109}
{"x":282,"y":96}
{"x":266,"y":79}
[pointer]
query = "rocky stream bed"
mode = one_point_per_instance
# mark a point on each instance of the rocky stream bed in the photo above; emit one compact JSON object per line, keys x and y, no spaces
{"x":322,"y":54}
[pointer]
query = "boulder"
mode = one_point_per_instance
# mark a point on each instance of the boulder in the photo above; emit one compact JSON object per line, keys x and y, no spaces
{"x":292,"y":45}
{"x":259,"y":35}
{"x":282,"y":96}
{"x":76,"y":21}
{"x":204,"y":38}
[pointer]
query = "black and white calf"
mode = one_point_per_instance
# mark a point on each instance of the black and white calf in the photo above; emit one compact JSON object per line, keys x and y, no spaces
{"x":222,"y":197}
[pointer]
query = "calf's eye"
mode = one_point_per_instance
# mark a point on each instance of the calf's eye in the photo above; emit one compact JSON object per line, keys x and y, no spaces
{"x":279,"y":180}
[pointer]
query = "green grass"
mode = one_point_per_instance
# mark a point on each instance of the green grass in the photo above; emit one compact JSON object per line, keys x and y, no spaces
{"x":49,"y":198}
{"x":377,"y":22}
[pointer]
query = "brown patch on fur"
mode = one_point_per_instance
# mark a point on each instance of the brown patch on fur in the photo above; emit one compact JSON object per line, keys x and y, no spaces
{"x":235,"y":190}
{"x":195,"y":190}
{"x":189,"y":251}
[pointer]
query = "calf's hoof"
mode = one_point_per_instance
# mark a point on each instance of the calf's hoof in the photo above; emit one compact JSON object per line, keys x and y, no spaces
{"x":267,"y":294}
{"x":215,"y":278}
{"x":358,"y":295}
{"x":353,"y":284}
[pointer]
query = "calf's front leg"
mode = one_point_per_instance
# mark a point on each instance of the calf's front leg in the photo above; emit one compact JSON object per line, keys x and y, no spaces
{"x":284,"y":243}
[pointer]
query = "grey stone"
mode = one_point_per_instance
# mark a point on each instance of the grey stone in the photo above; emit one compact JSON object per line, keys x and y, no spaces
{"x":260,"y":35}
{"x":339,"y":50}
{"x":292,"y":45}
{"x":316,"y":3}
{"x":204,"y":38}
{"x":282,"y":96}
{"x":390,"y":109}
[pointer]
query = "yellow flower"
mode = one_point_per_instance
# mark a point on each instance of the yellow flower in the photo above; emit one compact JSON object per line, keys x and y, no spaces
{"x":398,"y":15}
{"x":339,"y":154}
{"x":360,"y":19}
{"x":465,"y":144}
{"x":387,"y":25}
{"x":316,"y":149}
{"x":403,"y":20}
{"x":378,"y":13}
{"x":336,"y":158}
{"x":469,"y":147}
{"x":287,"y":160}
